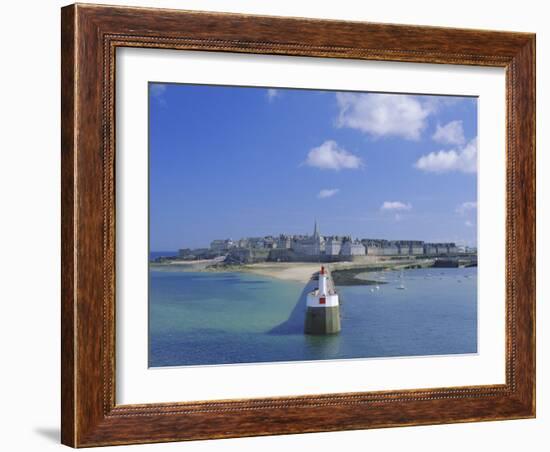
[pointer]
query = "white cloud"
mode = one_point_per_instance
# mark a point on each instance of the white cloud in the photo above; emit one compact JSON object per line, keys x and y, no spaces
{"x":469,"y":224}
{"x":157,"y":89}
{"x":272,"y":94}
{"x":395,"y":206}
{"x":438,"y":102}
{"x":462,"y":159}
{"x":330,"y":156}
{"x":383,"y":114}
{"x":465,"y":207}
{"x":450,"y":133}
{"x":327,"y":192}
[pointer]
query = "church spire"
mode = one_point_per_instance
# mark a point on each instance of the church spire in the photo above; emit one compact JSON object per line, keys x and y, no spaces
{"x":315,"y":230}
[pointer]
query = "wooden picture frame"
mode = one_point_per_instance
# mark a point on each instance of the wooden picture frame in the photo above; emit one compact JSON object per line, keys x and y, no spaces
{"x":90,"y":36}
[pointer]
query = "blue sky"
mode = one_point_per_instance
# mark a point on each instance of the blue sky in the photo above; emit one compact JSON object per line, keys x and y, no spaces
{"x":231,"y":162}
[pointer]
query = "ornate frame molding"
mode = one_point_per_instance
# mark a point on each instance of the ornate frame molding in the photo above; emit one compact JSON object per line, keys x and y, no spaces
{"x":90,"y":36}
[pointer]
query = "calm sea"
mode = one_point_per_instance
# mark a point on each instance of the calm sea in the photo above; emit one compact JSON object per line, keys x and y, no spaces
{"x":220,"y":318}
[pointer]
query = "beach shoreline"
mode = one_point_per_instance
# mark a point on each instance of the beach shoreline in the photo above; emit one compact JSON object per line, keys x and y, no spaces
{"x":292,"y":271}
{"x":295,"y":271}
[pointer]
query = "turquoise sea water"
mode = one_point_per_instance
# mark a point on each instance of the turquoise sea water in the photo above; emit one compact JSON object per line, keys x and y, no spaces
{"x":221,"y":318}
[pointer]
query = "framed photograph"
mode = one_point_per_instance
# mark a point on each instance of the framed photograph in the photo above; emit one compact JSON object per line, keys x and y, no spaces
{"x":280,"y":225}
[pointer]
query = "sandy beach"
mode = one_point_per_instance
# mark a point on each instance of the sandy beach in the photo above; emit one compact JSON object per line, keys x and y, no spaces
{"x":302,"y":271}
{"x":291,"y":271}
{"x":288,"y":271}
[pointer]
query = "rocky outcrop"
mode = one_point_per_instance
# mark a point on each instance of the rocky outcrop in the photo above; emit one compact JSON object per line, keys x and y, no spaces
{"x":238,"y":256}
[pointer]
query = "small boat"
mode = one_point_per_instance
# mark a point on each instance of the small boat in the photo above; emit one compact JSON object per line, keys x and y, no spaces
{"x":401,"y":286}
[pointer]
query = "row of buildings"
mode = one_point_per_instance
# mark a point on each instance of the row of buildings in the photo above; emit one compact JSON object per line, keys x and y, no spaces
{"x":331,"y":247}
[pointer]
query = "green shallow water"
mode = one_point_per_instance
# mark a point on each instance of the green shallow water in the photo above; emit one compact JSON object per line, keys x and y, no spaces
{"x":222,"y":318}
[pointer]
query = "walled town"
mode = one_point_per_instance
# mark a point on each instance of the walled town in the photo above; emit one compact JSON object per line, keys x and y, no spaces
{"x":317,"y":248}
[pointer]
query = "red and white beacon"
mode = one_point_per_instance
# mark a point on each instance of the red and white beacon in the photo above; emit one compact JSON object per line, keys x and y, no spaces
{"x":323,"y":312}
{"x":323,"y":296}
